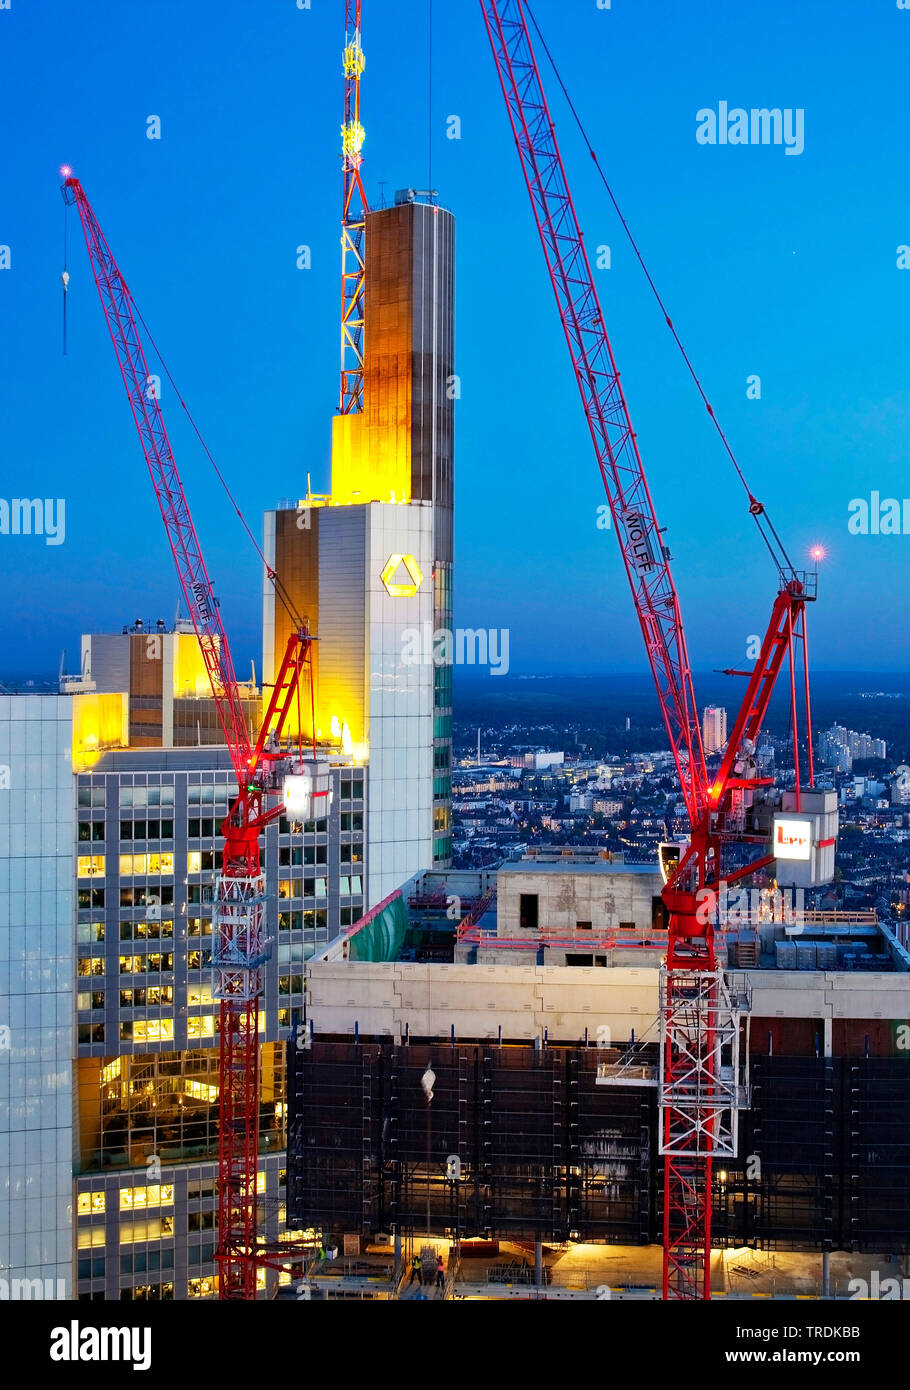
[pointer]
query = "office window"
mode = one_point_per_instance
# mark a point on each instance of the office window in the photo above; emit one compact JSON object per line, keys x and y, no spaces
{"x":89,"y":931}
{"x":157,"y":1195}
{"x":200,"y":1026}
{"x":148,"y":1030}
{"x":90,"y":1202}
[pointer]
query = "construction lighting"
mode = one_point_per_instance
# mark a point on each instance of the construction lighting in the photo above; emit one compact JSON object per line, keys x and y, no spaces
{"x":354,"y":60}
{"x":352,"y":138}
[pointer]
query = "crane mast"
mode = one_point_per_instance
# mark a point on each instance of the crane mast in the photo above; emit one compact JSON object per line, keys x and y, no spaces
{"x":701,"y":1086}
{"x":353,"y":219}
{"x":239,"y":946}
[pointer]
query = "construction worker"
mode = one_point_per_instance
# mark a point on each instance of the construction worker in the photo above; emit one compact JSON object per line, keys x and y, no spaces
{"x":415,"y":1271}
{"x":440,"y":1273}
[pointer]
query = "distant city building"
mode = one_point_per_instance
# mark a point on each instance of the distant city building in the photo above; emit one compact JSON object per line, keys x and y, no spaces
{"x":867,"y":786}
{"x":714,"y":729}
{"x":538,"y":762}
{"x":765,"y":755}
{"x":838,"y":747}
{"x":900,"y":787}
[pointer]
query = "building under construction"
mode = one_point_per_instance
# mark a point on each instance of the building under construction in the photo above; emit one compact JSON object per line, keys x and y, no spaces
{"x":543,"y":1123}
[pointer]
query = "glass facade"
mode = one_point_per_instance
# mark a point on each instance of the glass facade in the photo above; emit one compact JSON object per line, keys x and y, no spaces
{"x":146,"y":849}
{"x":38,"y":840}
{"x":442,"y":725}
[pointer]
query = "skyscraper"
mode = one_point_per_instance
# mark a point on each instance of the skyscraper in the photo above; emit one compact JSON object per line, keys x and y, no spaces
{"x":371,"y":563}
{"x":109,"y":1138}
{"x":714,"y":729}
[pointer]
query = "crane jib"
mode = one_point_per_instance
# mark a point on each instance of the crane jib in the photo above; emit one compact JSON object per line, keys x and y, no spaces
{"x":201,"y":601}
{"x":638,"y":543}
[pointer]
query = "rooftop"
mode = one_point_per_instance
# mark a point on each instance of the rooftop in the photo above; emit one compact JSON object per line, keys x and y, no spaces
{"x":605,"y":867}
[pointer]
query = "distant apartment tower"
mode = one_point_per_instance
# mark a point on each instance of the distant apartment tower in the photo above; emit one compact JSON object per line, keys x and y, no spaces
{"x":839,"y":746}
{"x":372,"y":562}
{"x":714,"y":729}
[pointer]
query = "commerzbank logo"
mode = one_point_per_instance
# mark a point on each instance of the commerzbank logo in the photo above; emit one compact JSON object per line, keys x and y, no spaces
{"x":401,"y":576}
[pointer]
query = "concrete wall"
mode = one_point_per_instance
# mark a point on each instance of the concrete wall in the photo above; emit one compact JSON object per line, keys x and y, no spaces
{"x":525,"y":1000}
{"x":809,"y":994}
{"x":479,"y":999}
{"x":603,"y":895}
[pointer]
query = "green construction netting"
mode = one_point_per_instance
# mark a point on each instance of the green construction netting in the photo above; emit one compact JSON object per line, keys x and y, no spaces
{"x":383,"y":937}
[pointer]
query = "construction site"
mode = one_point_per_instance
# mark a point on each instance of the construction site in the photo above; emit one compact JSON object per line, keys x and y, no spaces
{"x":364,"y":1074}
{"x":542,"y":1133}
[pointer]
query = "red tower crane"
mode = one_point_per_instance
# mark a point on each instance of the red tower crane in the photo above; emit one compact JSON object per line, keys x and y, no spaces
{"x":240,"y":949}
{"x":701,"y":1086}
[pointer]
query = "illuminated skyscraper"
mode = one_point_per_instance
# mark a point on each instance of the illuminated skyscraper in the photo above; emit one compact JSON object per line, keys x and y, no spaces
{"x":714,"y":729}
{"x":370,"y":565}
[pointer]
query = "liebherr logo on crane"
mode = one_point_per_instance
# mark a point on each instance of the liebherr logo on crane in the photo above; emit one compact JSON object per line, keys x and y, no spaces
{"x":638,"y":542}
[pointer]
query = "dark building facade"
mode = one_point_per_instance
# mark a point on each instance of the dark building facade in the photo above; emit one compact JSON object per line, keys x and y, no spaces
{"x":522,"y":1142}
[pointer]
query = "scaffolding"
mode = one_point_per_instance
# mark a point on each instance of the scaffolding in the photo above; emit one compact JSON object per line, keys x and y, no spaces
{"x":517,"y":1141}
{"x":527,"y":1143}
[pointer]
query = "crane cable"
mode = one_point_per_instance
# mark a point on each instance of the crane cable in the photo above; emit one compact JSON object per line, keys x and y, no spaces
{"x":280,"y":589}
{"x":756,"y":508}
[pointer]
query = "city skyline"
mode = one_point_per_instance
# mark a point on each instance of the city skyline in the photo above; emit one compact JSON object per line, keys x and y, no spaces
{"x":826,"y":432}
{"x":387,"y":911}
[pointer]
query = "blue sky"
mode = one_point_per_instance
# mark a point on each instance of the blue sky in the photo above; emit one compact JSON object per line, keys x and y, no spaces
{"x":774,"y":265}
